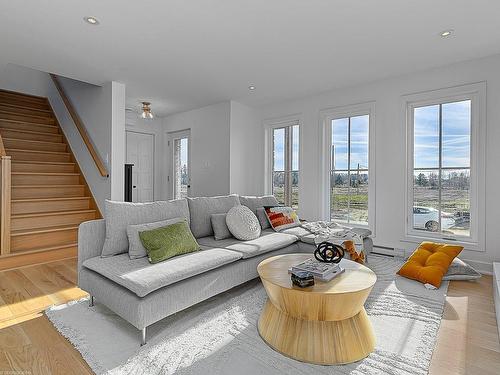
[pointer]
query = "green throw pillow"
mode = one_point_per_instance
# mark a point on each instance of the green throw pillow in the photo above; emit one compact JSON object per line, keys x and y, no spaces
{"x":167,"y":242}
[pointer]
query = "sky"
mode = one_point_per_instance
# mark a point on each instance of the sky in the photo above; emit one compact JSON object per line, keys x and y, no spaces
{"x":456,"y":135}
{"x":456,"y":139}
{"x":279,"y":148}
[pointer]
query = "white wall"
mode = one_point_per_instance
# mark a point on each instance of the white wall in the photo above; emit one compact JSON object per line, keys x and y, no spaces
{"x":246,"y":151}
{"x":210,"y":152}
{"x":390,"y":146}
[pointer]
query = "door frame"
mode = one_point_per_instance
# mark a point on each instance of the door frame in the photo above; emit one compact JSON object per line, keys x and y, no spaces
{"x":170,"y":137}
{"x":154,"y":154}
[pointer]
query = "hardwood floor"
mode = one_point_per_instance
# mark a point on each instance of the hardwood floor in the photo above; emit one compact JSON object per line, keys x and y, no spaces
{"x":467,"y":343}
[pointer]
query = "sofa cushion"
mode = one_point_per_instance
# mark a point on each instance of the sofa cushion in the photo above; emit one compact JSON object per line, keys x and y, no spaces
{"x":202,"y":208}
{"x":303,"y":234}
{"x":268,"y":241}
{"x":119,"y":215}
{"x":142,"y":277}
{"x":256,"y":204}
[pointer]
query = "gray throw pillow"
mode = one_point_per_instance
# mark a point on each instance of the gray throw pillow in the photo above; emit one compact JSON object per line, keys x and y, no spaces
{"x":242,"y":223}
{"x":135,"y":247}
{"x":459,"y":270}
{"x":221,"y":231}
{"x":262,"y":216}
{"x":119,"y":215}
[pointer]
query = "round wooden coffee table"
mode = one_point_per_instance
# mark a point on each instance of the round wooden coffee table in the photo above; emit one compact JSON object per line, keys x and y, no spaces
{"x":323,"y":324}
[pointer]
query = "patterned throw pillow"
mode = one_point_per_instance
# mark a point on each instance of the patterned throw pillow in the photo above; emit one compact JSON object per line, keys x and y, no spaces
{"x":281,"y":217}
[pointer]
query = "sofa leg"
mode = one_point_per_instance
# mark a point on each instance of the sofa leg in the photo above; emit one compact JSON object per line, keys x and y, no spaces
{"x":143,"y":336}
{"x":91,"y":301}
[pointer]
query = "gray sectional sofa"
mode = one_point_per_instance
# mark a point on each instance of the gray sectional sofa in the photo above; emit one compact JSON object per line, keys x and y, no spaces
{"x":144,"y":293}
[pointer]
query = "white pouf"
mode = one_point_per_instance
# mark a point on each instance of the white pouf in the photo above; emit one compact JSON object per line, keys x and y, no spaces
{"x":242,"y":223}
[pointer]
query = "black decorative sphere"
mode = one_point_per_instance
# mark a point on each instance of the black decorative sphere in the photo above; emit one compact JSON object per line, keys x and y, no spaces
{"x":328,"y":252}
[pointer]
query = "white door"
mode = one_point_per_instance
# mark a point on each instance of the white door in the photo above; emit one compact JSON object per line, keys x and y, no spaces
{"x":179,"y":176}
{"x":140,"y":152}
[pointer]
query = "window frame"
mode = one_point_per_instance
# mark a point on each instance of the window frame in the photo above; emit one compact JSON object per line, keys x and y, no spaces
{"x":270,"y":125}
{"x":476,"y":93}
{"x":326,"y":118}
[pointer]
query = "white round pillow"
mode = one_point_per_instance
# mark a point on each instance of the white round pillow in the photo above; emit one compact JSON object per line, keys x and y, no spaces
{"x":242,"y":223}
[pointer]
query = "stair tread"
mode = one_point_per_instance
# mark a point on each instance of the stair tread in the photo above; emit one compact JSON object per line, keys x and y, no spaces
{"x":42,"y":249}
{"x":32,"y":141}
{"x":49,"y":173}
{"x":37,"y":151}
{"x":48,"y":199}
{"x":45,"y":186}
{"x":24,"y":114}
{"x":51,"y":213}
{"x":59,"y":228}
{"x":29,"y":123}
{"x":43,"y":162}
{"x":22,"y":94}
{"x":26,"y":107}
{"x":26,"y":131}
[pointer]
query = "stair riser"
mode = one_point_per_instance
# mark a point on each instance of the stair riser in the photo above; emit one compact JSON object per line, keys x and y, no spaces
{"x":32,"y":119}
{"x":43,"y":168}
{"x":49,"y":206}
{"x":29,"y":127}
{"x":32,"y":145}
{"x":45,"y":137}
{"x":20,"y":192}
{"x":25,"y":110}
{"x":30,"y":241}
{"x":44,"y":180}
{"x":28,"y":102}
{"x":34,"y":156}
{"x":51,"y":220}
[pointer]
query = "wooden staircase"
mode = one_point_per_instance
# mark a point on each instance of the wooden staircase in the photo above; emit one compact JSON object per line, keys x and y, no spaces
{"x":49,"y":195}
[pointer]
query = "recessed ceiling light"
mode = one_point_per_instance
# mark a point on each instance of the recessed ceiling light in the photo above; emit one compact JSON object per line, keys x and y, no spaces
{"x":91,"y":20}
{"x":446,"y":33}
{"x":251,"y":87}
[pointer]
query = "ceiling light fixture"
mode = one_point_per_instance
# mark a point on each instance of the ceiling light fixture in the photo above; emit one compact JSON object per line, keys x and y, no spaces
{"x":91,"y":20}
{"x":446,"y":33}
{"x":251,"y":87}
{"x":146,"y":111}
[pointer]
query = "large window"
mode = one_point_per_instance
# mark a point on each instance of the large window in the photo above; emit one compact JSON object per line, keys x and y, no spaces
{"x":441,"y":167}
{"x":444,"y":165}
{"x":285,"y":164}
{"x":349,"y":169}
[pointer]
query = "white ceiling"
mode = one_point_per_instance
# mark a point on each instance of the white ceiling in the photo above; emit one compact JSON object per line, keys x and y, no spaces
{"x":184,"y":54}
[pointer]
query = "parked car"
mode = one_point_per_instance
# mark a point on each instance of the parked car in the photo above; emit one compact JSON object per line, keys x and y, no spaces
{"x":428,"y":218}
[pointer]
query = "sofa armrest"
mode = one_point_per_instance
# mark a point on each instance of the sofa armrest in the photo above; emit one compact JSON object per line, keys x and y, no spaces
{"x":91,"y":236}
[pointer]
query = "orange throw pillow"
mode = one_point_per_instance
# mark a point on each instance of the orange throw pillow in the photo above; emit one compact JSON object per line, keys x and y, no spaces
{"x":429,"y":263}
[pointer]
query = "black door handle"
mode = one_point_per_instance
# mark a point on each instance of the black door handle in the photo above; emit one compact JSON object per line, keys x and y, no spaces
{"x":134,"y":186}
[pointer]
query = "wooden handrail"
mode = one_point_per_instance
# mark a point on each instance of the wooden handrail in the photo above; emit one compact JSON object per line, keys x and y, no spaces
{"x":81,"y":127}
{"x":5,"y":200}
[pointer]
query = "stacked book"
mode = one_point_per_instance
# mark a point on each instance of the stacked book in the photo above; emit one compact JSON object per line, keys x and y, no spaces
{"x":321,"y":271}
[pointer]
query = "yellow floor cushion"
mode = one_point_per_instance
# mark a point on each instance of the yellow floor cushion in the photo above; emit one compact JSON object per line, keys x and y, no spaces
{"x":429,"y":262}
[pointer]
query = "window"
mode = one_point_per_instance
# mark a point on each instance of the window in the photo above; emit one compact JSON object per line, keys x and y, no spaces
{"x":444,"y":165}
{"x":348,"y":185}
{"x":179,"y":169}
{"x":285,"y":141}
{"x":349,"y":169}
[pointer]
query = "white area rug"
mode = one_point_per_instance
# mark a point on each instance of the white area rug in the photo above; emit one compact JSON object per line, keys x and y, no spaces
{"x":220,"y":336}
